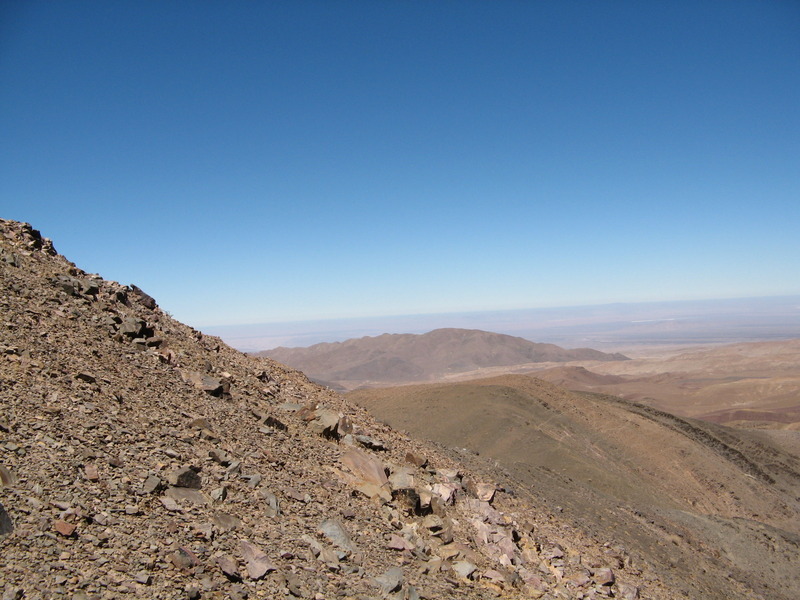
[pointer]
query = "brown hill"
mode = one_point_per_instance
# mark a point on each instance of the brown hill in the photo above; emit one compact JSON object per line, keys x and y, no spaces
{"x":404,"y":358}
{"x":757,"y":384}
{"x":141,"y":458}
{"x":715,"y":507}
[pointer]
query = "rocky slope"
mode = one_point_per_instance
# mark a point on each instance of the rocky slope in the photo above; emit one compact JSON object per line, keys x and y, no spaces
{"x":403,"y":358}
{"x":141,"y":458}
{"x":715,"y":509}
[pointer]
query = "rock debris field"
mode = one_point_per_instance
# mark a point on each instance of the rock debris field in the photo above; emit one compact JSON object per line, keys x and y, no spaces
{"x":140,"y":458}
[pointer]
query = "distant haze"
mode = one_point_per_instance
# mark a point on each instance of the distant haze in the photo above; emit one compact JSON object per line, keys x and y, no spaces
{"x":605,"y":327}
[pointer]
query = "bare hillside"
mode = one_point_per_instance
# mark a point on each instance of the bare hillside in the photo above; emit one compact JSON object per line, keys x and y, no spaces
{"x":140,"y":458}
{"x":716,"y":507}
{"x":403,"y":358}
{"x":755,"y":384}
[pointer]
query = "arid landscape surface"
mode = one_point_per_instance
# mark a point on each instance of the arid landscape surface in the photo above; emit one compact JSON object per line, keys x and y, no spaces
{"x":141,"y":458}
{"x":671,"y":487}
{"x":755,"y":384}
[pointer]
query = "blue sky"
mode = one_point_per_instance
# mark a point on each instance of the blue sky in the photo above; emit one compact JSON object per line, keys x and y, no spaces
{"x":254,"y":162}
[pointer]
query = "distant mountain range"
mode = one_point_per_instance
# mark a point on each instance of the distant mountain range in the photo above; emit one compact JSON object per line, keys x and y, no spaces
{"x":405,"y":358}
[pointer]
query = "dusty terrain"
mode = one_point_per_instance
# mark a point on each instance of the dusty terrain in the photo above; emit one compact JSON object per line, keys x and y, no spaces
{"x":753,"y":384}
{"x":391,"y":359}
{"x":140,"y":458}
{"x":715,"y":508}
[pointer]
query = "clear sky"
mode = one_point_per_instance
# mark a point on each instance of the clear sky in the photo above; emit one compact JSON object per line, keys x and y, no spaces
{"x":249,"y":162}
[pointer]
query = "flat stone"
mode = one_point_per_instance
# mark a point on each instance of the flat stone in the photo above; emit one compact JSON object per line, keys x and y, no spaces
{"x":91,"y":472}
{"x":64,"y":528}
{"x":170,"y":504}
{"x":397,"y":542}
{"x":337,"y":534}
{"x":151,"y":484}
{"x":464,"y":568}
{"x":258,"y":563}
{"x":189,"y":495}
{"x":228,"y":565}
{"x":369,"y":470}
{"x":391,"y":580}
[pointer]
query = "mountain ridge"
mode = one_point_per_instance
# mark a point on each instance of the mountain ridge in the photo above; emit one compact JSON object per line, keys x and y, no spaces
{"x":403,"y":358}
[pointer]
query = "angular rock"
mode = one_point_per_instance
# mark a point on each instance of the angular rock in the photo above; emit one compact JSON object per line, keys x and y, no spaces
{"x":210,"y":385}
{"x":228,"y":565}
{"x":146,"y":300}
{"x":132,"y":327}
{"x":325,"y":423}
{"x":464,"y":568}
{"x":64,"y":528}
{"x":482,"y":491}
{"x":151,"y":485}
{"x":7,"y":477}
{"x":416,"y":460}
{"x":91,"y":472}
{"x":397,"y":542}
{"x":185,"y":477}
{"x":258,"y":563}
{"x":337,"y":534}
{"x":368,"y":470}
{"x":391,"y":580}
{"x":6,"y":525}
{"x":604,"y":576}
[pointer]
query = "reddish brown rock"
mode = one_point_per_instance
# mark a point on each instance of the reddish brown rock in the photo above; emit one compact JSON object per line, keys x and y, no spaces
{"x":64,"y":528}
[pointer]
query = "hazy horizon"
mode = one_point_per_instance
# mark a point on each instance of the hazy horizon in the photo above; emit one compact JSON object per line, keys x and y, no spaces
{"x":603,"y":327}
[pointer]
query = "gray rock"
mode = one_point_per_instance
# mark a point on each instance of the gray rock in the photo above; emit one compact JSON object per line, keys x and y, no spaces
{"x":464,"y":568}
{"x":391,"y":580}
{"x":273,"y":505}
{"x":150,"y":485}
{"x":132,"y":327}
{"x":337,"y":534}
{"x":219,"y":494}
{"x":228,"y":566}
{"x":190,"y":495}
